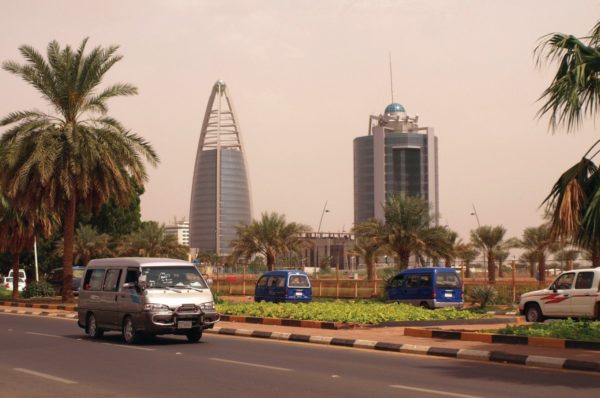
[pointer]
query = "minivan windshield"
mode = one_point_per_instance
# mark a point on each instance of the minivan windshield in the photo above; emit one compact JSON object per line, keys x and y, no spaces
{"x":446,"y":280}
{"x":173,"y":277}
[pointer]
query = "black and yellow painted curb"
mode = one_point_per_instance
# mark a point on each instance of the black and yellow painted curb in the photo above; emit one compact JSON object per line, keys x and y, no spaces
{"x":62,"y":307}
{"x":490,"y":338}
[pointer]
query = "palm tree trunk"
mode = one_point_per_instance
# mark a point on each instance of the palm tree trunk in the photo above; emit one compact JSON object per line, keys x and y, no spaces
{"x":403,"y":258}
{"x":370,"y":268}
{"x":500,"y":272}
{"x":15,"y":268}
{"x":596,"y":255}
{"x":491,"y":268}
{"x":69,"y":239}
{"x":542,"y":270}
{"x":468,"y":269}
{"x":270,"y":262}
{"x":532,"y":269}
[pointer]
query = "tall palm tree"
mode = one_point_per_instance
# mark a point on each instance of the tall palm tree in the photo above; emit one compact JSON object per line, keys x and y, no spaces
{"x":530,"y":258}
{"x":489,"y":239}
{"x":18,"y":230}
{"x":409,"y":232}
{"x":78,"y":155}
{"x":567,"y":256}
{"x":271,"y":236}
{"x":368,"y":243}
{"x":88,"y":244}
{"x":574,"y":201}
{"x":468,"y":253}
{"x":151,"y":240}
{"x":540,"y":241}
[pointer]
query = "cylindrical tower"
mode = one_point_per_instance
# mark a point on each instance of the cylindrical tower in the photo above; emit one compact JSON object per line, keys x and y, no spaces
{"x":220,"y":187}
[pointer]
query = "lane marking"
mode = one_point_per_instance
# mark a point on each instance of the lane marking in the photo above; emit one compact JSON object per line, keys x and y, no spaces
{"x":44,"y":334}
{"x":256,"y":365}
{"x":448,"y":394}
{"x":45,"y":376}
{"x":130,"y":347}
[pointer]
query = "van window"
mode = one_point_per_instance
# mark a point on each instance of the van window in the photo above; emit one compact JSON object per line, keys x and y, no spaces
{"x":131,"y":276}
{"x":425,"y":281}
{"x":584,"y":280}
{"x":447,"y":280}
{"x":397,"y":282}
{"x":93,"y":279}
{"x":298,"y":281}
{"x":412,"y":281}
{"x":262,"y":281}
{"x":111,"y":282}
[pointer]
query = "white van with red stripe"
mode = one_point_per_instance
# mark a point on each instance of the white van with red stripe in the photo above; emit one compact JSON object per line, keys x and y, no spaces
{"x":574,"y":294}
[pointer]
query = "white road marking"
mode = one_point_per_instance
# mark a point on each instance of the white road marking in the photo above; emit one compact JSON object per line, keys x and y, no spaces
{"x":44,"y":334}
{"x":335,"y":376}
{"x":130,"y":347}
{"x":256,"y":365}
{"x":448,"y":394}
{"x":45,"y":376}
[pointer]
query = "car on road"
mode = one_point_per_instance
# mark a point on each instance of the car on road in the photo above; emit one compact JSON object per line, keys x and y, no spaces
{"x":574,"y":294}
{"x":55,"y":278}
{"x":7,"y":283}
{"x":283,"y":286}
{"x":144,"y":297}
{"x":433,"y":287}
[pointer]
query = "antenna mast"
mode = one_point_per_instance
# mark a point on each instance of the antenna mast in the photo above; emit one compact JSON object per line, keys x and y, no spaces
{"x":391,"y":79}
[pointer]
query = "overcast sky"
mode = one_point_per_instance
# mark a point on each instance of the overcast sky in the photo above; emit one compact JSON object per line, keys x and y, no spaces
{"x":305,"y":76}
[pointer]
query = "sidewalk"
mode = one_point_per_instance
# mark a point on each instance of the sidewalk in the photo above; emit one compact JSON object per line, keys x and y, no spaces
{"x":393,"y":339}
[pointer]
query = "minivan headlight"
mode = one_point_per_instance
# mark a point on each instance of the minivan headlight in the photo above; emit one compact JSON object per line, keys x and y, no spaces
{"x":156,"y":307}
{"x":208,"y":306}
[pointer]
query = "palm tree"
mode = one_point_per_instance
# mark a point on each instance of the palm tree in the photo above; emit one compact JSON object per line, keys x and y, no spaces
{"x":454,"y":243}
{"x":368,"y":243}
{"x":18,"y":230}
{"x":539,"y":240}
{"x":567,"y":257}
{"x":88,"y":244}
{"x":529,"y":257}
{"x":151,"y":240}
{"x":271,"y":236}
{"x":501,"y":255}
{"x":408,"y":230}
{"x":489,"y":239}
{"x":78,"y":156}
{"x":468,"y":253}
{"x":574,"y":201}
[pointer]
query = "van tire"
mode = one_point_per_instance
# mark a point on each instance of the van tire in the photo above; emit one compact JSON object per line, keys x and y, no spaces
{"x":597,"y":312}
{"x":424,"y":304}
{"x":130,"y":335}
{"x":91,"y":327}
{"x":533,"y":313}
{"x":194,"y":335}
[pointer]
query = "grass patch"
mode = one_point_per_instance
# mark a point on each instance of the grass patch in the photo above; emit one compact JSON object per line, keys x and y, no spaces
{"x":561,"y":329}
{"x":345,"y":311}
{"x":5,"y":293}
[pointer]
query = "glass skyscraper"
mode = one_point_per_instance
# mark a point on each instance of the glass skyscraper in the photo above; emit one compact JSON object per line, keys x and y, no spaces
{"x":397,"y":156}
{"x":220,"y":187}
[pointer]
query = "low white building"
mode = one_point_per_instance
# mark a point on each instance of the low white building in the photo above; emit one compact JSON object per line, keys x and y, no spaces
{"x":180,"y":229}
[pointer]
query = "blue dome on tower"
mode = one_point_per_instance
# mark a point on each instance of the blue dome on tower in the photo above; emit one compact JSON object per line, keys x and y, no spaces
{"x":394,"y":108}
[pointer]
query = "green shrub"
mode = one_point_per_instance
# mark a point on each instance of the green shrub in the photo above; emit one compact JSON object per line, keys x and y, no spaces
{"x":345,"y":311}
{"x":561,"y":329}
{"x":483,"y":295}
{"x":38,"y":289}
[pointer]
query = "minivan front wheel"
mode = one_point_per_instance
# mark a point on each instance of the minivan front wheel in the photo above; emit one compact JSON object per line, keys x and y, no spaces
{"x":194,"y":335}
{"x":130,"y":335}
{"x":92,"y":328}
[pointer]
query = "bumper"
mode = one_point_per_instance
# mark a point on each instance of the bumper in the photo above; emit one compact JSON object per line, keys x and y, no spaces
{"x":169,"y":322}
{"x":447,"y":304}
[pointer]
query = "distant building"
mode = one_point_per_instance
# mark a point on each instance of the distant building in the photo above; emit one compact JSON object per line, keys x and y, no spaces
{"x":329,"y":248}
{"x":181,"y":230}
{"x":220,"y":188}
{"x":397,"y":156}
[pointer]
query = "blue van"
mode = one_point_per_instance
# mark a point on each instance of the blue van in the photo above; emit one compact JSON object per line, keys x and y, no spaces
{"x":283,"y":286}
{"x":426,"y":287}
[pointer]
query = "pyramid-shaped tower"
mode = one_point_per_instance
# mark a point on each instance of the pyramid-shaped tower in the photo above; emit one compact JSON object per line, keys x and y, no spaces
{"x":220,"y":187}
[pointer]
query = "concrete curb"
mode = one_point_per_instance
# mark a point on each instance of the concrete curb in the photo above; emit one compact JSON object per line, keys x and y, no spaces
{"x":39,"y":313}
{"x":477,"y":355}
{"x":490,"y":338}
{"x":62,"y":307}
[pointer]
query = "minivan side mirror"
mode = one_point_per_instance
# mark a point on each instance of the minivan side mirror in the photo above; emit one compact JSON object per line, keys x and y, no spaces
{"x":142,"y":282}
{"x":209,"y":281}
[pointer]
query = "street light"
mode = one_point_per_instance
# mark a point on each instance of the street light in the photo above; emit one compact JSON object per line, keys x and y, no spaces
{"x":325,"y":210}
{"x":475,"y":214}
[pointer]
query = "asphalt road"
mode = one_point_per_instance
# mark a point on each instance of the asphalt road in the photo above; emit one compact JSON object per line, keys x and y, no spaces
{"x":44,"y":357}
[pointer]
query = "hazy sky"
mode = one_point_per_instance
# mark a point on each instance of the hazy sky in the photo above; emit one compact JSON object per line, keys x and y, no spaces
{"x":306,"y":75}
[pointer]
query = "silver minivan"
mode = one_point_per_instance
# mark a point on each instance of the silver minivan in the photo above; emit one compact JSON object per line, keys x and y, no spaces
{"x":144,"y":297}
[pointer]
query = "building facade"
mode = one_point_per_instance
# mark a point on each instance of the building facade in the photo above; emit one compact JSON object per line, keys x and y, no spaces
{"x":181,"y":230}
{"x":397,"y":156}
{"x":220,"y":187}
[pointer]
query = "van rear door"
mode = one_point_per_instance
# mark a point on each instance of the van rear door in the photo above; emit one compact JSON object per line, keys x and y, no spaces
{"x":447,"y":287}
{"x":298,"y":287}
